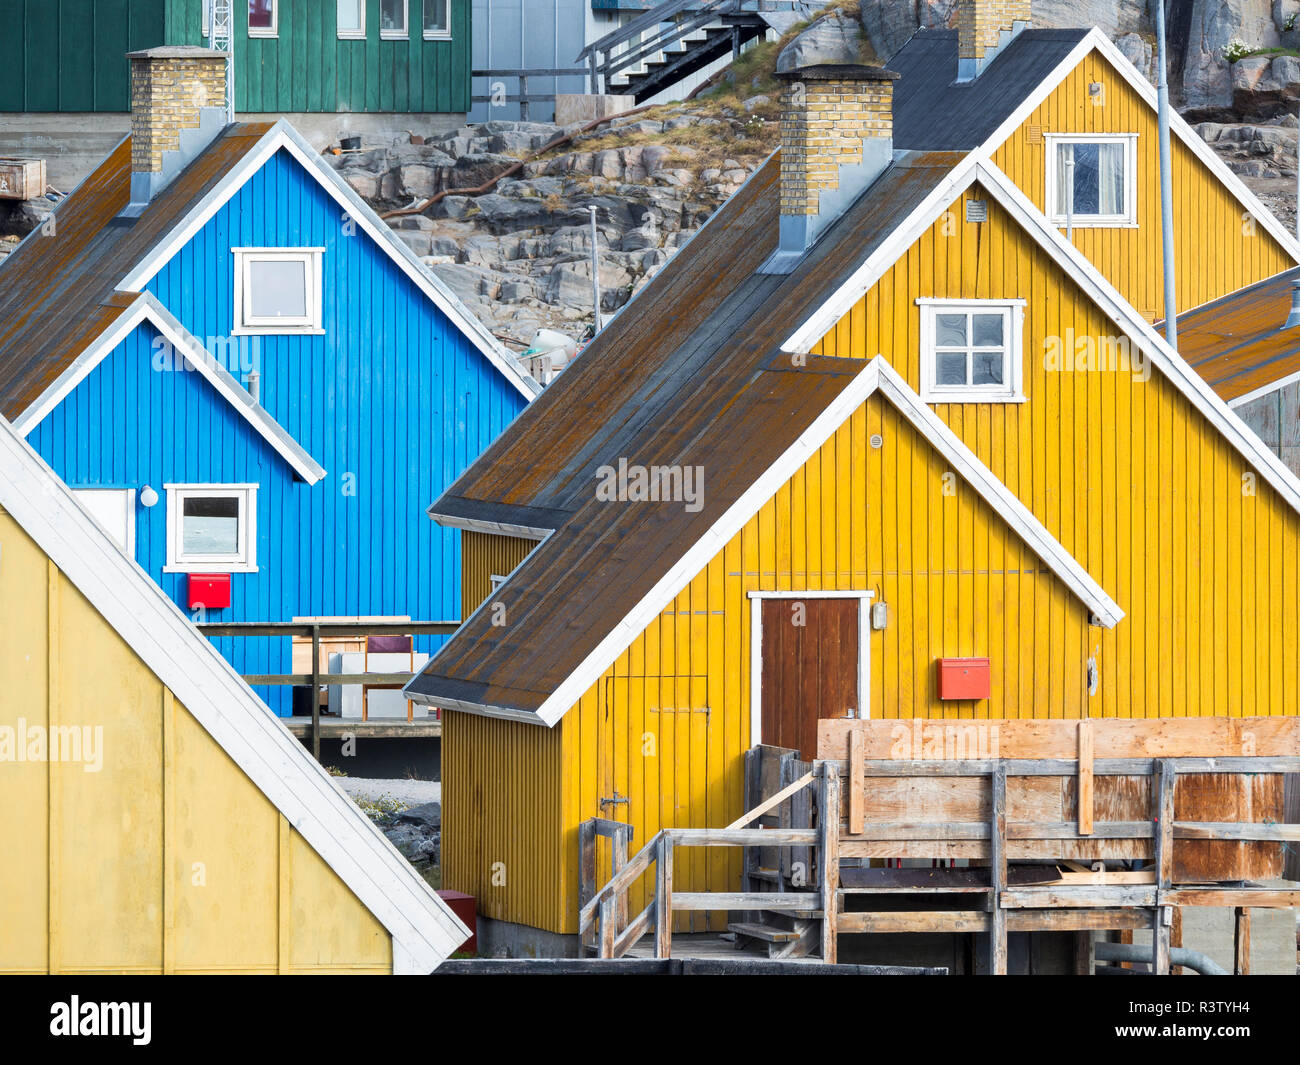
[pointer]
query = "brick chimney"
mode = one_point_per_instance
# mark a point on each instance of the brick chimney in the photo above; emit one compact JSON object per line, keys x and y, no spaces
{"x":837,"y":137}
{"x":984,"y":28}
{"x":178,"y":106}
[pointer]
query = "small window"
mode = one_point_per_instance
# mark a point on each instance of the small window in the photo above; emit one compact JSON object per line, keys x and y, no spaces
{"x":263,"y":18}
{"x":211,"y":527}
{"x":278,"y":290}
{"x":437,"y":20}
{"x":352,"y":20}
{"x":392,"y":20}
{"x":1091,"y":179}
{"x":971,"y":351}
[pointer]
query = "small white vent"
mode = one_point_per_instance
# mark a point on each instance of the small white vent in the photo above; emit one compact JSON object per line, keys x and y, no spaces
{"x":977,"y":211}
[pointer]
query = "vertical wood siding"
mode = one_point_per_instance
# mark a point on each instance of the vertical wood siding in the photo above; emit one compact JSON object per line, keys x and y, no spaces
{"x":484,"y":556}
{"x":1218,"y":248}
{"x":70,"y":55}
{"x":307,"y":67}
{"x":165,"y":859}
{"x":393,"y":401}
{"x":1137,"y":485}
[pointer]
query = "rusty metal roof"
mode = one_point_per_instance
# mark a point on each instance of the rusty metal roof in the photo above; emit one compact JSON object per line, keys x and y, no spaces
{"x":1238,"y":343}
{"x":58,"y":289}
{"x":689,"y":374}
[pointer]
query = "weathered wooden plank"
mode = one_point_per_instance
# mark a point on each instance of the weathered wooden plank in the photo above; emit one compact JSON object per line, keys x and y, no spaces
{"x":828,"y":824}
{"x":741,"y":837}
{"x":1081,"y":896}
{"x":1241,"y":941}
{"x":1041,"y":738}
{"x":1258,"y":898}
{"x":792,"y":901}
{"x":857,"y":783}
{"x":998,"y":872}
{"x":664,"y":899}
{"x":1233,"y":830}
{"x":915,"y":921}
{"x":1085,"y":778}
{"x":1015,"y":831}
{"x":772,"y":803}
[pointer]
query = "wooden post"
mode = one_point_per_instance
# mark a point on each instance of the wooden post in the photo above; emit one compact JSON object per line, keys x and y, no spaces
{"x":828,"y":823}
{"x":998,"y":872}
{"x":857,"y":782}
{"x":607,"y":931}
{"x":315,"y":691}
{"x":1085,"y":953}
{"x":586,"y":872}
{"x":1085,"y":778}
{"x":593,"y":62}
{"x":1161,"y":926}
{"x":618,"y":859}
{"x":523,"y":97}
{"x":1241,"y":942}
{"x":664,"y":898}
{"x":1176,"y":938}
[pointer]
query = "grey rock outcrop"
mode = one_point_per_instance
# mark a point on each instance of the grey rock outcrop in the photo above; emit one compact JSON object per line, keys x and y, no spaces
{"x":833,"y":39}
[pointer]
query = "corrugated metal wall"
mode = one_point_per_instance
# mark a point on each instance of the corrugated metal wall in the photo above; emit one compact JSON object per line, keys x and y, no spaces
{"x":70,"y":55}
{"x":307,"y":67}
{"x":1218,"y":248}
{"x":483,"y":557}
{"x":392,"y":400}
{"x":214,"y":879}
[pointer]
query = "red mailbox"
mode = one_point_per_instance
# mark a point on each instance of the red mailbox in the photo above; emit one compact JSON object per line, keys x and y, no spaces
{"x":463,"y":906}
{"x":963,"y":678}
{"x":209,"y":590}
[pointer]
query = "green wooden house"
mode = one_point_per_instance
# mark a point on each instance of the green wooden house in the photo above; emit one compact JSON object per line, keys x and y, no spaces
{"x":292,"y":57}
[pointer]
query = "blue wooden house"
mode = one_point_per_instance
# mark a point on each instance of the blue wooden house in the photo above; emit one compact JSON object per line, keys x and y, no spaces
{"x":247,"y":379}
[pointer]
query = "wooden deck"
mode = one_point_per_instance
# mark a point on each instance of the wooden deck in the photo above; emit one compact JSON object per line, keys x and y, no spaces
{"x":332,"y":728}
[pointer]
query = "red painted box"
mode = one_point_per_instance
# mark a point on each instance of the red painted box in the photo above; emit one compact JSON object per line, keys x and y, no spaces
{"x":462,"y":906}
{"x":963,"y":678}
{"x":209,"y":590}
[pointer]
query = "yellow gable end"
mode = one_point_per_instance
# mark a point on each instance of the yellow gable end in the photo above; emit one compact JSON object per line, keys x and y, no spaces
{"x":134,"y":843}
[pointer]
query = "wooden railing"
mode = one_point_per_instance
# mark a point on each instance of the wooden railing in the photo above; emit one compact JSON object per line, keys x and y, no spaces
{"x":602,"y":922}
{"x":323,"y":630}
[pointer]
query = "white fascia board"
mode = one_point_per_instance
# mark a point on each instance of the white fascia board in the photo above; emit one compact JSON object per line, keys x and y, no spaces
{"x":146,"y":307}
{"x":697,"y":556}
{"x":1095,"y":38}
{"x":207,"y":686}
{"x":283,"y":136}
{"x":904,"y":235}
{"x":495,"y":528}
{"x":998,"y":496}
{"x":877,"y":373}
{"x":1175,"y":368}
{"x":1265,"y":390}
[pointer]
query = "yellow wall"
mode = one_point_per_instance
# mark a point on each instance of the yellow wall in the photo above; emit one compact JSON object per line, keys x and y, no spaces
{"x":166,"y":859}
{"x":484,"y":556}
{"x":1134,"y":483}
{"x":1217,"y":248}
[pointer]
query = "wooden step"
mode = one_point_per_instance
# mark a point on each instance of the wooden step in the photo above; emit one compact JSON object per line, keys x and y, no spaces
{"x":766,"y":933}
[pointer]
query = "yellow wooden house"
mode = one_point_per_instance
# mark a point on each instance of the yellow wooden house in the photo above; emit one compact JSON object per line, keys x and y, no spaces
{"x":885,"y":415}
{"x":158,"y":818}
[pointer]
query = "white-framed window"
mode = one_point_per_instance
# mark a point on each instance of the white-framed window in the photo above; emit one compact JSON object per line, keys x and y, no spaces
{"x":1092,"y":179}
{"x":211,"y":527}
{"x":264,"y":18}
{"x":352,"y":20}
{"x":278,"y":290}
{"x":114,"y":511}
{"x":394,"y":23}
{"x":437,"y":20}
{"x":971,"y":351}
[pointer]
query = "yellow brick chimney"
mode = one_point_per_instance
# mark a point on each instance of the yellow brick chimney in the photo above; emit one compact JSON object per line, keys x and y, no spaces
{"x":178,"y":106}
{"x":837,"y":137}
{"x":983,"y":28}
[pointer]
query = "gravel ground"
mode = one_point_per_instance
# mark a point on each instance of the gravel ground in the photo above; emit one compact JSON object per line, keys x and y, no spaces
{"x":409,"y":792}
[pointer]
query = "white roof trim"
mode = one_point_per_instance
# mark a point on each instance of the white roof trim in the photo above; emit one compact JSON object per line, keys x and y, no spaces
{"x":1095,"y":38}
{"x":496,"y":528}
{"x":1175,"y":368}
{"x":146,"y":307}
{"x":1264,"y":390}
{"x":283,"y":136}
{"x":877,"y":374}
{"x":424,"y":929}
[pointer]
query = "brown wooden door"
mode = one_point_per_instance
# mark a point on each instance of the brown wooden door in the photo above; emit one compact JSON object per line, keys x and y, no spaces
{"x":810,"y":670}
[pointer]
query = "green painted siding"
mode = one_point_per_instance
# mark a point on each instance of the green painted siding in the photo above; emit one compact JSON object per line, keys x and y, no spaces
{"x":307,"y":68}
{"x":70,"y":55}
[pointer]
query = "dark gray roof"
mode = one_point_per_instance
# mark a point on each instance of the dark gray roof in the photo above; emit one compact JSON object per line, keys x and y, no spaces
{"x":935,"y":112}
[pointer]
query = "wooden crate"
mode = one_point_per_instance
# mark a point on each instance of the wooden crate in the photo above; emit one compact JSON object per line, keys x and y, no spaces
{"x":22,"y":179}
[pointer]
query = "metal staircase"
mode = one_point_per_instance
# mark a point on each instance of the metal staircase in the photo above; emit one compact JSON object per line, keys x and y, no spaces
{"x":676,"y":39}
